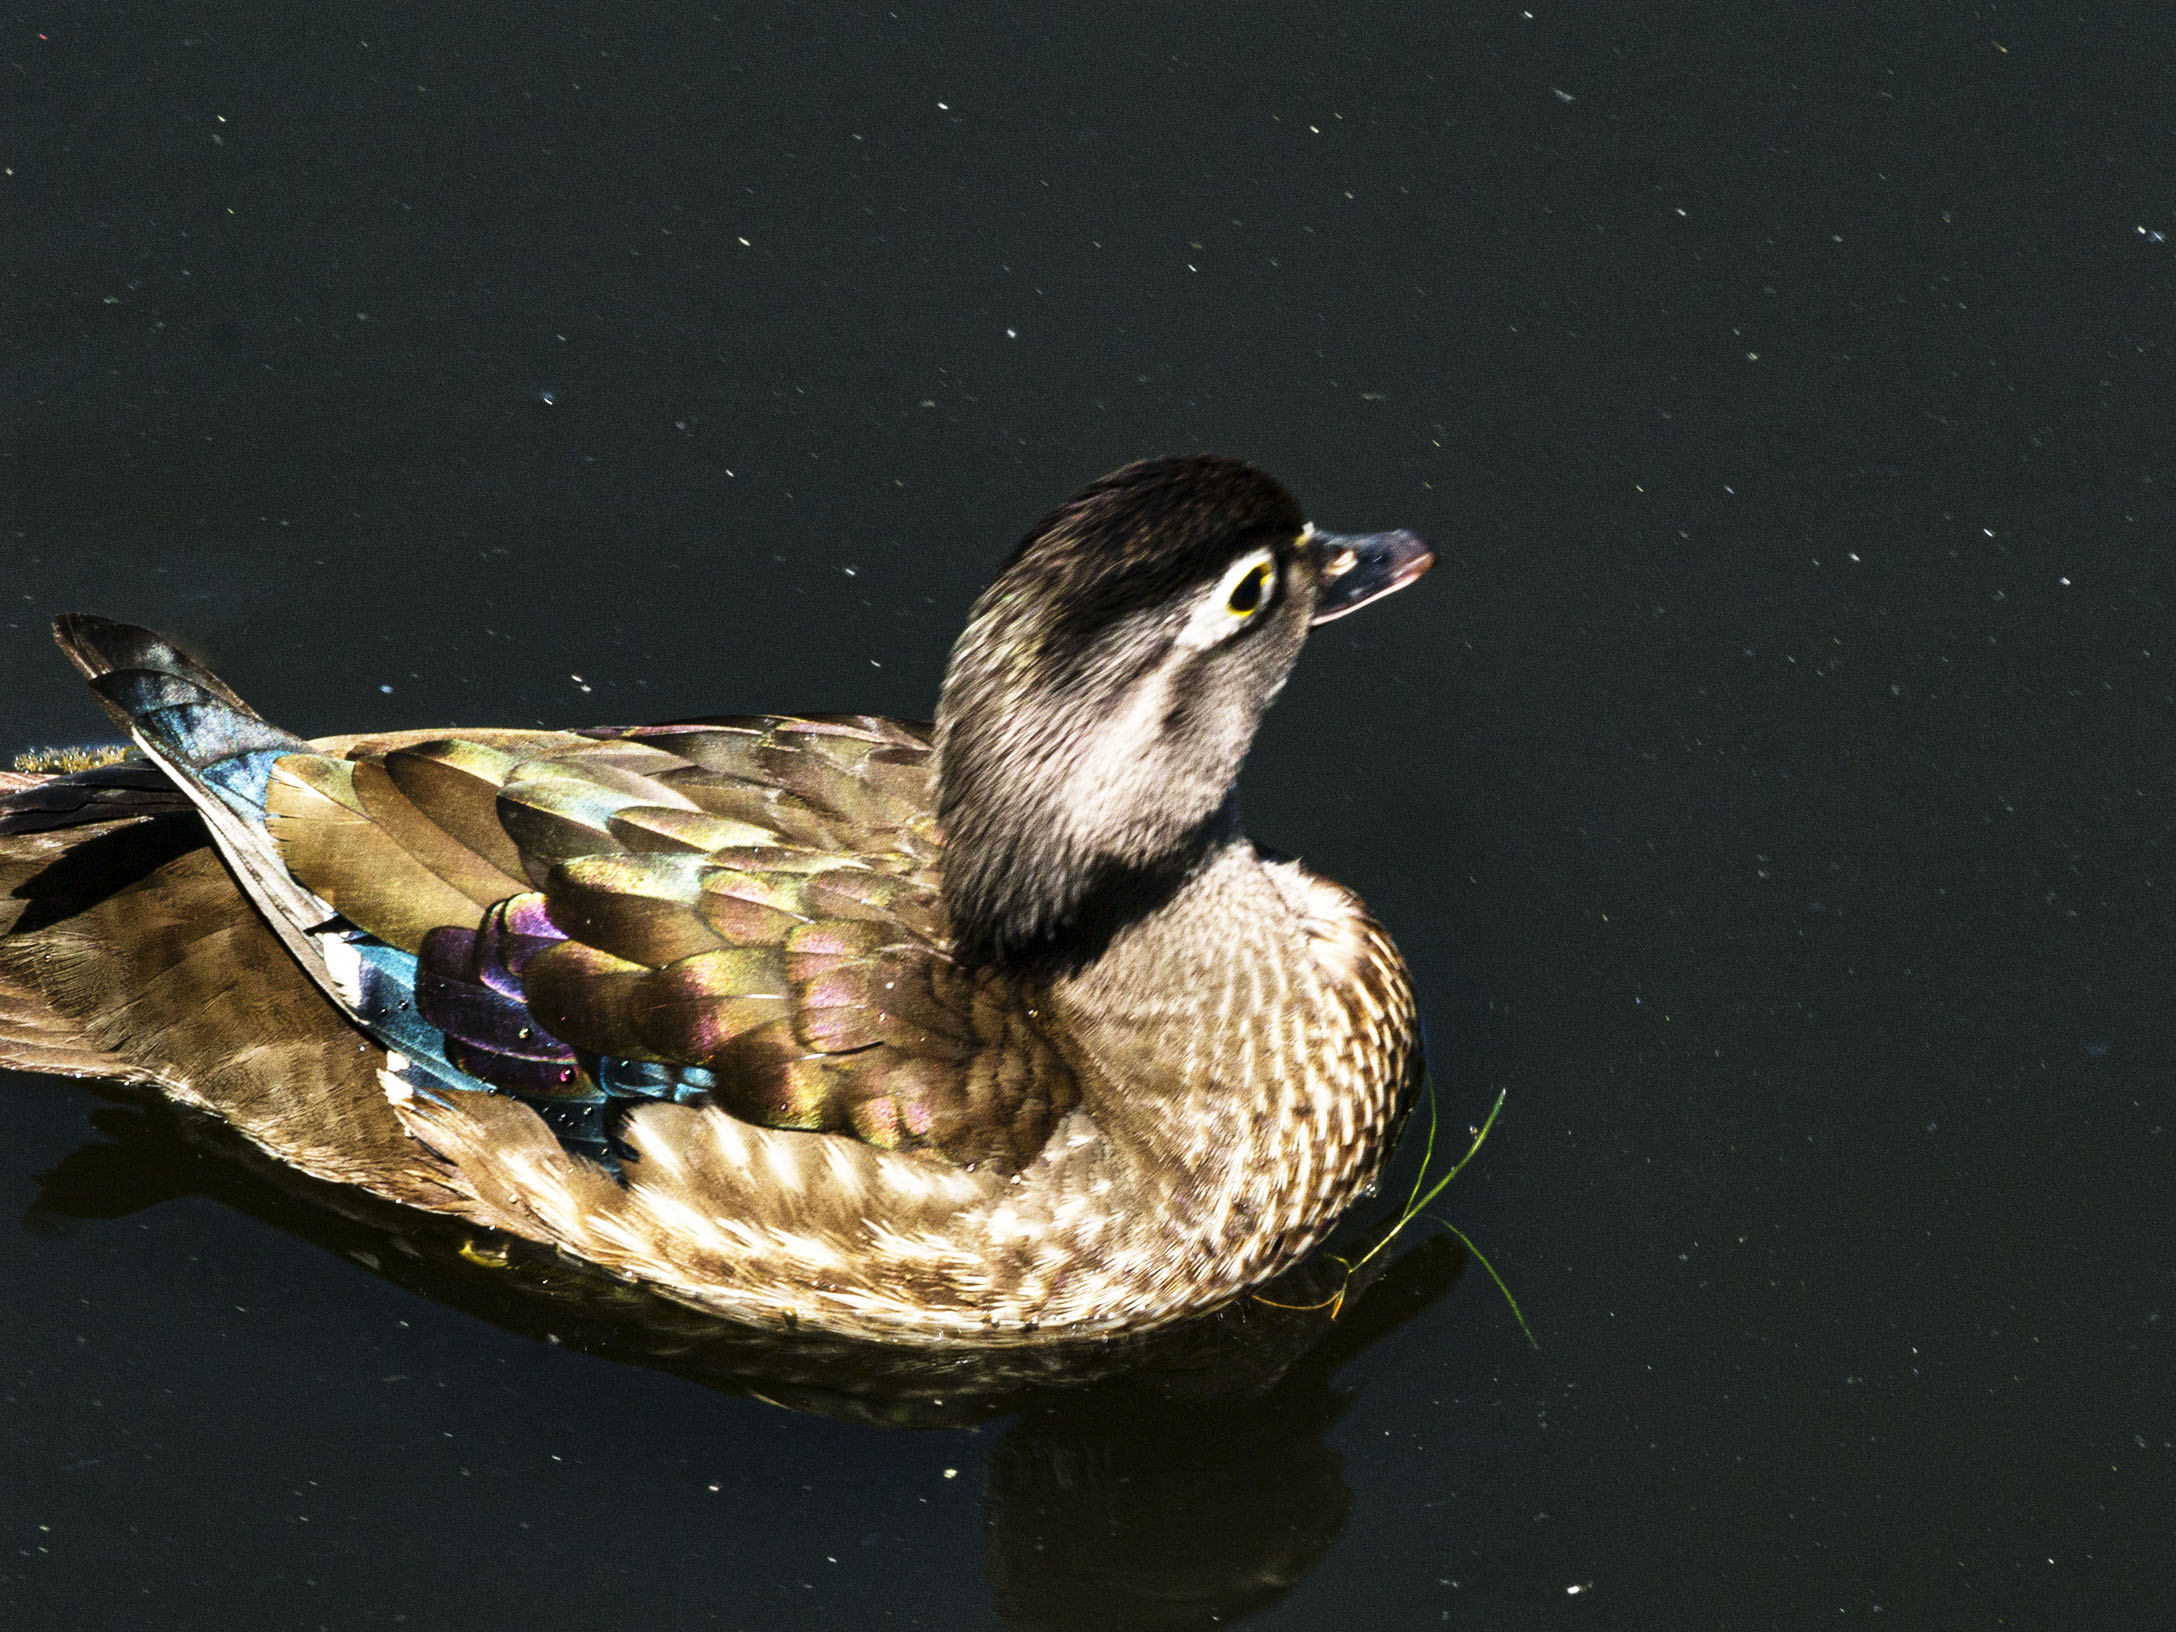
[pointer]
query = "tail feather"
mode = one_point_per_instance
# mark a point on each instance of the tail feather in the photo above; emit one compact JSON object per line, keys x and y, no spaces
{"x":103,"y":646}
{"x":218,"y":750}
{"x":126,"y":954}
{"x":182,"y":714}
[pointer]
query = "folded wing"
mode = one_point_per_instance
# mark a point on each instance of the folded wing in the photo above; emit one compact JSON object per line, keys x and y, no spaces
{"x":739,"y":912}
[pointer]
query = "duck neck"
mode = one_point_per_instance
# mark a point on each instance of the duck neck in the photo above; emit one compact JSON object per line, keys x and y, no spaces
{"x":1241,"y":1054}
{"x":1220,"y":1055}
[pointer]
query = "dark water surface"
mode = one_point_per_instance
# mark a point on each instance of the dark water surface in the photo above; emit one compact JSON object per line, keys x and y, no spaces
{"x":1771,"y":787}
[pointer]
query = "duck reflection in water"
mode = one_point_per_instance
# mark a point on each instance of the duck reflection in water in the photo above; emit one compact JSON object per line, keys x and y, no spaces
{"x":1177,"y":1479}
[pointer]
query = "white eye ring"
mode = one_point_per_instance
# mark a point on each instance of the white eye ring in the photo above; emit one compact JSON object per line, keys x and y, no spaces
{"x":1224,"y":608}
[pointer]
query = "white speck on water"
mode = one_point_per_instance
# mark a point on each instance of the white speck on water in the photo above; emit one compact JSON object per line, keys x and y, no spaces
{"x":388,"y":690}
{"x":1012,"y":334}
{"x":549,"y":399}
{"x":1563,"y":96}
{"x":850,"y":572}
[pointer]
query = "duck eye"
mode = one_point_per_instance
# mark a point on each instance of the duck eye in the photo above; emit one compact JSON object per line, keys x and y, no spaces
{"x":1233,"y":603}
{"x":1246,"y":597}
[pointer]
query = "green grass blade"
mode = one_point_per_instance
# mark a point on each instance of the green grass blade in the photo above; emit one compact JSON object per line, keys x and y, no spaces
{"x":1517,"y":1313}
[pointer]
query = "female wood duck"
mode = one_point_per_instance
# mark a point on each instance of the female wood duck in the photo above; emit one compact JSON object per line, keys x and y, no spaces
{"x":978,"y":1032}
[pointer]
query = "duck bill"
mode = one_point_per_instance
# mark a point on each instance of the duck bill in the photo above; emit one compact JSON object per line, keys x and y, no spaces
{"x":1353,"y":569}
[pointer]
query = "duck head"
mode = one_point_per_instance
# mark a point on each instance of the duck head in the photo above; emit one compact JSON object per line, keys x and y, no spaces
{"x":1108,"y":685}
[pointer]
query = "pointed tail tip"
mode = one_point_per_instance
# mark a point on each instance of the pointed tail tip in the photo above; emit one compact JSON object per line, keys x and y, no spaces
{"x":99,"y":645}
{"x":103,"y":647}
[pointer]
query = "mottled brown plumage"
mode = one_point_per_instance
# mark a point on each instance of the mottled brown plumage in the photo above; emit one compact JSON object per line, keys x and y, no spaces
{"x":982,"y":1033}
